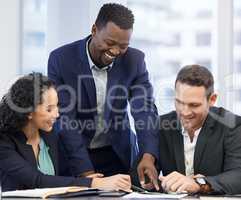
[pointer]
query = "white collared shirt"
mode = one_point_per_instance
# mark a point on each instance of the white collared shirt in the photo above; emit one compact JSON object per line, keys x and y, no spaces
{"x":100,"y":139}
{"x":189,"y":150}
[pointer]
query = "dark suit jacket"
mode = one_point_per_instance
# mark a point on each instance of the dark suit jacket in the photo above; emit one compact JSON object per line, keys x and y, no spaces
{"x":19,"y":167}
{"x":127,"y":80}
{"x":217,"y":152}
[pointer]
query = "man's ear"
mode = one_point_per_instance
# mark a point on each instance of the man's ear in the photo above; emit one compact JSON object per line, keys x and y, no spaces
{"x":93,"y":30}
{"x":30,"y":116}
{"x":212,"y":99}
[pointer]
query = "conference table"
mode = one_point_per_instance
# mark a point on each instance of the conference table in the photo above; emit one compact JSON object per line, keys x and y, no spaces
{"x":120,"y":198}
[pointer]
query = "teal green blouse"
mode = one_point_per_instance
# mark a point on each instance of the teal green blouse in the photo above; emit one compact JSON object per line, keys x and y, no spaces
{"x":45,"y":164}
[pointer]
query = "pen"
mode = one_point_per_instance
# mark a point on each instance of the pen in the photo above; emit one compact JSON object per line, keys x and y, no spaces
{"x":138,"y":189}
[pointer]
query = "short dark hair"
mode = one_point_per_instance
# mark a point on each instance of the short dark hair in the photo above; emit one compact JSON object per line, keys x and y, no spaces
{"x":196,"y":75}
{"x":22,"y":99}
{"x":116,"y":13}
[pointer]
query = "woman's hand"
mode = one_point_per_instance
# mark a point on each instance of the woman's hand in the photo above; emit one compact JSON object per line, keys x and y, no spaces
{"x":116,"y":182}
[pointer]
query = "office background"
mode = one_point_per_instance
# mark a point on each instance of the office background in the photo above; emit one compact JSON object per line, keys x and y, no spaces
{"x":172,"y":33}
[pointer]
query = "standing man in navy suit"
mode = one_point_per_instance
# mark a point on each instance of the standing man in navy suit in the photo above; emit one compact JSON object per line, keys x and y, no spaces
{"x":96,"y":78}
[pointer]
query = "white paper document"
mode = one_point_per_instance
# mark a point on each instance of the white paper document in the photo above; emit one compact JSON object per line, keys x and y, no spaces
{"x":232,"y":197}
{"x":43,"y":192}
{"x":154,"y":195}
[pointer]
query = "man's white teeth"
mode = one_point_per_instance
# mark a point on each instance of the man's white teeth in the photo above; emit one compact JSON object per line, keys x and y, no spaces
{"x":51,"y":122}
{"x":109,"y":56}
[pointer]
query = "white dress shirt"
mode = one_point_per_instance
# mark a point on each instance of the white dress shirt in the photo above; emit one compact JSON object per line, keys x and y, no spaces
{"x":189,"y":150}
{"x":100,"y":138}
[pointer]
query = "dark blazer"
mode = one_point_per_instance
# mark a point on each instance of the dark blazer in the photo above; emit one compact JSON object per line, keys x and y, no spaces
{"x":19,"y":167}
{"x":217,"y":152}
{"x":127,"y":81}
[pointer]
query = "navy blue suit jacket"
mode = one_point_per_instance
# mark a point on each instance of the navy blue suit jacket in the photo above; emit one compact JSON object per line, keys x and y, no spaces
{"x":127,"y":81}
{"x":18,"y":165}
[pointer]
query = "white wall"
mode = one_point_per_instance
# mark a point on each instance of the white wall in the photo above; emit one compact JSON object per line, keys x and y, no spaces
{"x":9,"y":42}
{"x":225,"y":53}
{"x":66,"y":22}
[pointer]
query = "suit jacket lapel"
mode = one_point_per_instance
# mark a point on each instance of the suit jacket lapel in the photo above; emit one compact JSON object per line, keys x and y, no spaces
{"x":202,"y":141}
{"x":85,"y":74}
{"x":27,"y":151}
{"x":24,"y":149}
{"x":177,"y":140}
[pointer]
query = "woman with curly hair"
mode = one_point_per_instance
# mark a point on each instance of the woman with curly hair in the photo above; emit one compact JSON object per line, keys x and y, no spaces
{"x":28,"y":150}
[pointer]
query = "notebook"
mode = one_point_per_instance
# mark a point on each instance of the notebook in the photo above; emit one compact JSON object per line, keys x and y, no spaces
{"x":58,"y":192}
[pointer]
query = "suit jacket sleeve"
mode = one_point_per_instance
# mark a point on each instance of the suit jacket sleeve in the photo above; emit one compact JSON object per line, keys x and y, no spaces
{"x":74,"y":146}
{"x":229,"y":181}
{"x":144,"y":111}
{"x":18,"y":169}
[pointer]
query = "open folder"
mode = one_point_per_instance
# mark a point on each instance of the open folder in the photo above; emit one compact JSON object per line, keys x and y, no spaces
{"x":58,"y":192}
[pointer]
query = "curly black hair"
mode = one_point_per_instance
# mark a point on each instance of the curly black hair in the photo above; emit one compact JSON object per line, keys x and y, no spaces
{"x":21,"y":99}
{"x":116,"y":13}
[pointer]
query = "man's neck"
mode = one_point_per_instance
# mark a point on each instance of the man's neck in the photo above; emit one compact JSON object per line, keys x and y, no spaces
{"x":191,"y":134}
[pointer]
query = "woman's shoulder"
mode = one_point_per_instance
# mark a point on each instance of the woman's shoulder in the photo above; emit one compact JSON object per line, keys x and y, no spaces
{"x":6,"y":140}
